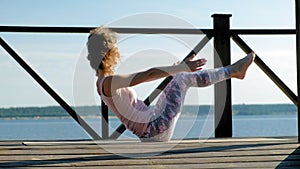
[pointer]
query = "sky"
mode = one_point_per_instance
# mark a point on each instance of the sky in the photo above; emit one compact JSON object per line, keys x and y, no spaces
{"x":60,"y":58}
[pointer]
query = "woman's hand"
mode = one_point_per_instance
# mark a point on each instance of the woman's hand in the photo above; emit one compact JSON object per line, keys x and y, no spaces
{"x":194,"y":65}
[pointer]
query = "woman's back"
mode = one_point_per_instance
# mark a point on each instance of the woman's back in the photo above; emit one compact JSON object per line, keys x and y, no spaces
{"x":132,"y":112}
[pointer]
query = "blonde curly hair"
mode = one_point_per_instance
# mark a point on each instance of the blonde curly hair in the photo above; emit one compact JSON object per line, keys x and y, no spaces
{"x":103,"y":52}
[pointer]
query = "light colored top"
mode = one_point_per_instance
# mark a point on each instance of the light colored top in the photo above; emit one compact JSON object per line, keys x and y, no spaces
{"x":132,"y":112}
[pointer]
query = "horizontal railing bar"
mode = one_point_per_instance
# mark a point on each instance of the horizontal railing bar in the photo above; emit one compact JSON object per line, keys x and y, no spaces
{"x":289,"y":93}
{"x":40,"y":29}
{"x":50,"y":91}
{"x":31,"y":29}
{"x":44,"y":29}
{"x":162,"y":31}
{"x":263,"y":31}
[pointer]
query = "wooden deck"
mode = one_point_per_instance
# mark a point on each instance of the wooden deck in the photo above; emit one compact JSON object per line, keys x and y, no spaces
{"x":212,"y":153}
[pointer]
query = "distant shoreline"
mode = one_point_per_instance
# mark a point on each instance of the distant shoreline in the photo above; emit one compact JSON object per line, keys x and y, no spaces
{"x":57,"y":112}
{"x":114,"y":117}
{"x":51,"y":118}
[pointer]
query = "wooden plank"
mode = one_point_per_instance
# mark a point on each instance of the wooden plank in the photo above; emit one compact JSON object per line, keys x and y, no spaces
{"x":149,"y":162}
{"x":200,"y":148}
{"x":189,"y":141}
{"x":219,"y":151}
{"x":130,"y":148}
{"x":199,"y":159}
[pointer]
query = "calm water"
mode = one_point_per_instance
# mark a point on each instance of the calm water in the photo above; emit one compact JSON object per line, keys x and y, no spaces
{"x":187,"y":127}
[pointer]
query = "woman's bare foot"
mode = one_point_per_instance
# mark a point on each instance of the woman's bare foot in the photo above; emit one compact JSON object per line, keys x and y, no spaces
{"x":238,"y":69}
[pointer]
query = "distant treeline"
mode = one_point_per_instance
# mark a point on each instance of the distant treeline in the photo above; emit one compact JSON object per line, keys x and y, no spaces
{"x":59,"y":112}
{"x":49,"y":111}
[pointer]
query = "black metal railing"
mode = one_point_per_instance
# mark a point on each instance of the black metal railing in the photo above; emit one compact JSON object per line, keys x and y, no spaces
{"x":221,"y":33}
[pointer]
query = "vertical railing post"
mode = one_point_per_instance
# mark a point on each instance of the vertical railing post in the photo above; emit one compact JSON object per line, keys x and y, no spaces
{"x":297,"y":8}
{"x":104,"y":121}
{"x":223,"y":107}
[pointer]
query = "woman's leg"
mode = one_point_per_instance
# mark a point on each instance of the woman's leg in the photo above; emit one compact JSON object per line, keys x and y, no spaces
{"x":169,"y":104}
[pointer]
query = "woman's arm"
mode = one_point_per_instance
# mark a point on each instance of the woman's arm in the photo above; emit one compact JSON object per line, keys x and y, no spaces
{"x":112,"y":83}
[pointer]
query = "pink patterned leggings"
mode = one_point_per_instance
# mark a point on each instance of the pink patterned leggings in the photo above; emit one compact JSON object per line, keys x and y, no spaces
{"x":169,"y":104}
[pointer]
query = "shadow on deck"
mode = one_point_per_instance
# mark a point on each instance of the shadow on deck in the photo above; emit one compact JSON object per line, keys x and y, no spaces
{"x":292,"y":160}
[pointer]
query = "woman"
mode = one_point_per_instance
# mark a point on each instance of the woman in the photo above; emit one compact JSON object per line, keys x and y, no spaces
{"x":155,"y":124}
